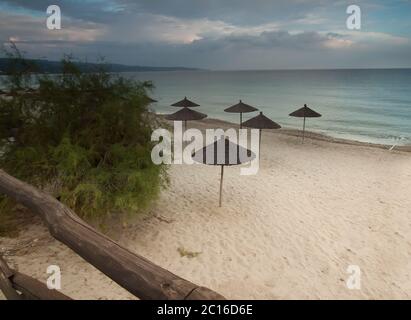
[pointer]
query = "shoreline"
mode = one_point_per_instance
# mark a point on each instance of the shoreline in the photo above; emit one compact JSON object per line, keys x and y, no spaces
{"x":288,"y":232}
{"x":308,"y":135}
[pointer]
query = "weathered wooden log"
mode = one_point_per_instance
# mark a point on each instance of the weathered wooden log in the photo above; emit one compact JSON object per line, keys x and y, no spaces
{"x":6,"y":286}
{"x":135,"y":273}
{"x":13,"y":282}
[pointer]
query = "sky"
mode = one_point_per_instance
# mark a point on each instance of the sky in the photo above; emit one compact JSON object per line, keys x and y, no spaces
{"x":215,"y":34}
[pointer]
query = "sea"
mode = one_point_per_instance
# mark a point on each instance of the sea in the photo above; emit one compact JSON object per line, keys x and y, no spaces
{"x":368,"y":105}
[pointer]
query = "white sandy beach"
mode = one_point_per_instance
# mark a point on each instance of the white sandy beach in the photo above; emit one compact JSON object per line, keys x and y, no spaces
{"x":288,"y":232}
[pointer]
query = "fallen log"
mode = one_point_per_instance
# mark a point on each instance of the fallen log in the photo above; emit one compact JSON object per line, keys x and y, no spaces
{"x":135,"y":273}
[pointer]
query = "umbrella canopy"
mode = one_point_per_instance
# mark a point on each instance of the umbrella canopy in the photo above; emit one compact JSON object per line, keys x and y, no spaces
{"x":200,"y":156}
{"x":222,"y":160}
{"x":305,"y":112}
{"x":240,"y":108}
{"x":261,"y":122}
{"x":185,"y":103}
{"x":186,"y":114}
{"x":151,"y":100}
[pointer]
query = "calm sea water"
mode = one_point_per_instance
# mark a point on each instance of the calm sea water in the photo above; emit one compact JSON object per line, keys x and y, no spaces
{"x":364,"y":105}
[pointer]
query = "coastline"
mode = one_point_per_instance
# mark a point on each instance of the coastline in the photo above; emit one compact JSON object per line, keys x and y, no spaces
{"x":212,"y":122}
{"x":288,"y":232}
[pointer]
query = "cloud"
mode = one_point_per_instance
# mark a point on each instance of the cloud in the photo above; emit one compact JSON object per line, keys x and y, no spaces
{"x":312,"y":19}
{"x":268,"y":50}
{"x":239,"y":12}
{"x":28,"y":28}
{"x":378,"y":38}
{"x":228,"y":34}
{"x":159,"y":28}
{"x":98,"y":11}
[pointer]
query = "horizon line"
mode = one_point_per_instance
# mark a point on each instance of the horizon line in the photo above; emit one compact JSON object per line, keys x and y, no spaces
{"x":313,"y":69}
{"x":193,"y":68}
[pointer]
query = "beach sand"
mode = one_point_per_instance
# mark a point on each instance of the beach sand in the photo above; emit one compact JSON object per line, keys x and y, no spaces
{"x":289,"y":232}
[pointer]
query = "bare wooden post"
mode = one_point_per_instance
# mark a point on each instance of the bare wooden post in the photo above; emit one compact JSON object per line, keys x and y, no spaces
{"x":303,"y":129}
{"x":136,"y":274}
{"x":221,"y":185}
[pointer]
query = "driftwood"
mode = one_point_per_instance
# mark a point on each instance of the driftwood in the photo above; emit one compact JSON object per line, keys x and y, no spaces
{"x":17,"y":286}
{"x":138,"y":275}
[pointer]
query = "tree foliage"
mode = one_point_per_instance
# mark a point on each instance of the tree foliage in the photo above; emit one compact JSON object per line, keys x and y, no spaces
{"x":85,"y":137}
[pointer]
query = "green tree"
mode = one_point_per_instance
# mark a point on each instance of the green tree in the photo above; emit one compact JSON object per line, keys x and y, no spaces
{"x":85,"y":137}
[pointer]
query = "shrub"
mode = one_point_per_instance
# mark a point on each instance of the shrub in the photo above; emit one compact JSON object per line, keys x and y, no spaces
{"x":83,"y":136}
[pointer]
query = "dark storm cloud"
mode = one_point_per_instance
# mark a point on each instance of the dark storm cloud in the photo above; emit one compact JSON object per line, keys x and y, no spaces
{"x":243,"y":12}
{"x":273,"y":50}
{"x":228,"y":34}
{"x":93,"y":11}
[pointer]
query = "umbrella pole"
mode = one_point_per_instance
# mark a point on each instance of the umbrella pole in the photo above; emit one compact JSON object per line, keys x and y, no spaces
{"x":184,"y":130}
{"x":259,"y":147}
{"x":304,"y":130}
{"x":221,"y":185}
{"x":241,"y":120}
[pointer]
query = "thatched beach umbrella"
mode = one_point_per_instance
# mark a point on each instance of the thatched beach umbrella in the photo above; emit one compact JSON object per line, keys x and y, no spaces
{"x":305,"y":112}
{"x":186,"y":114}
{"x":261,"y":122}
{"x":222,"y":159}
{"x":151,"y":100}
{"x":240,"y":108}
{"x":185,"y":103}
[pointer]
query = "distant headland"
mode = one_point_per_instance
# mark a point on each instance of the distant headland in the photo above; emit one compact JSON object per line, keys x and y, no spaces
{"x":48,"y":66}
